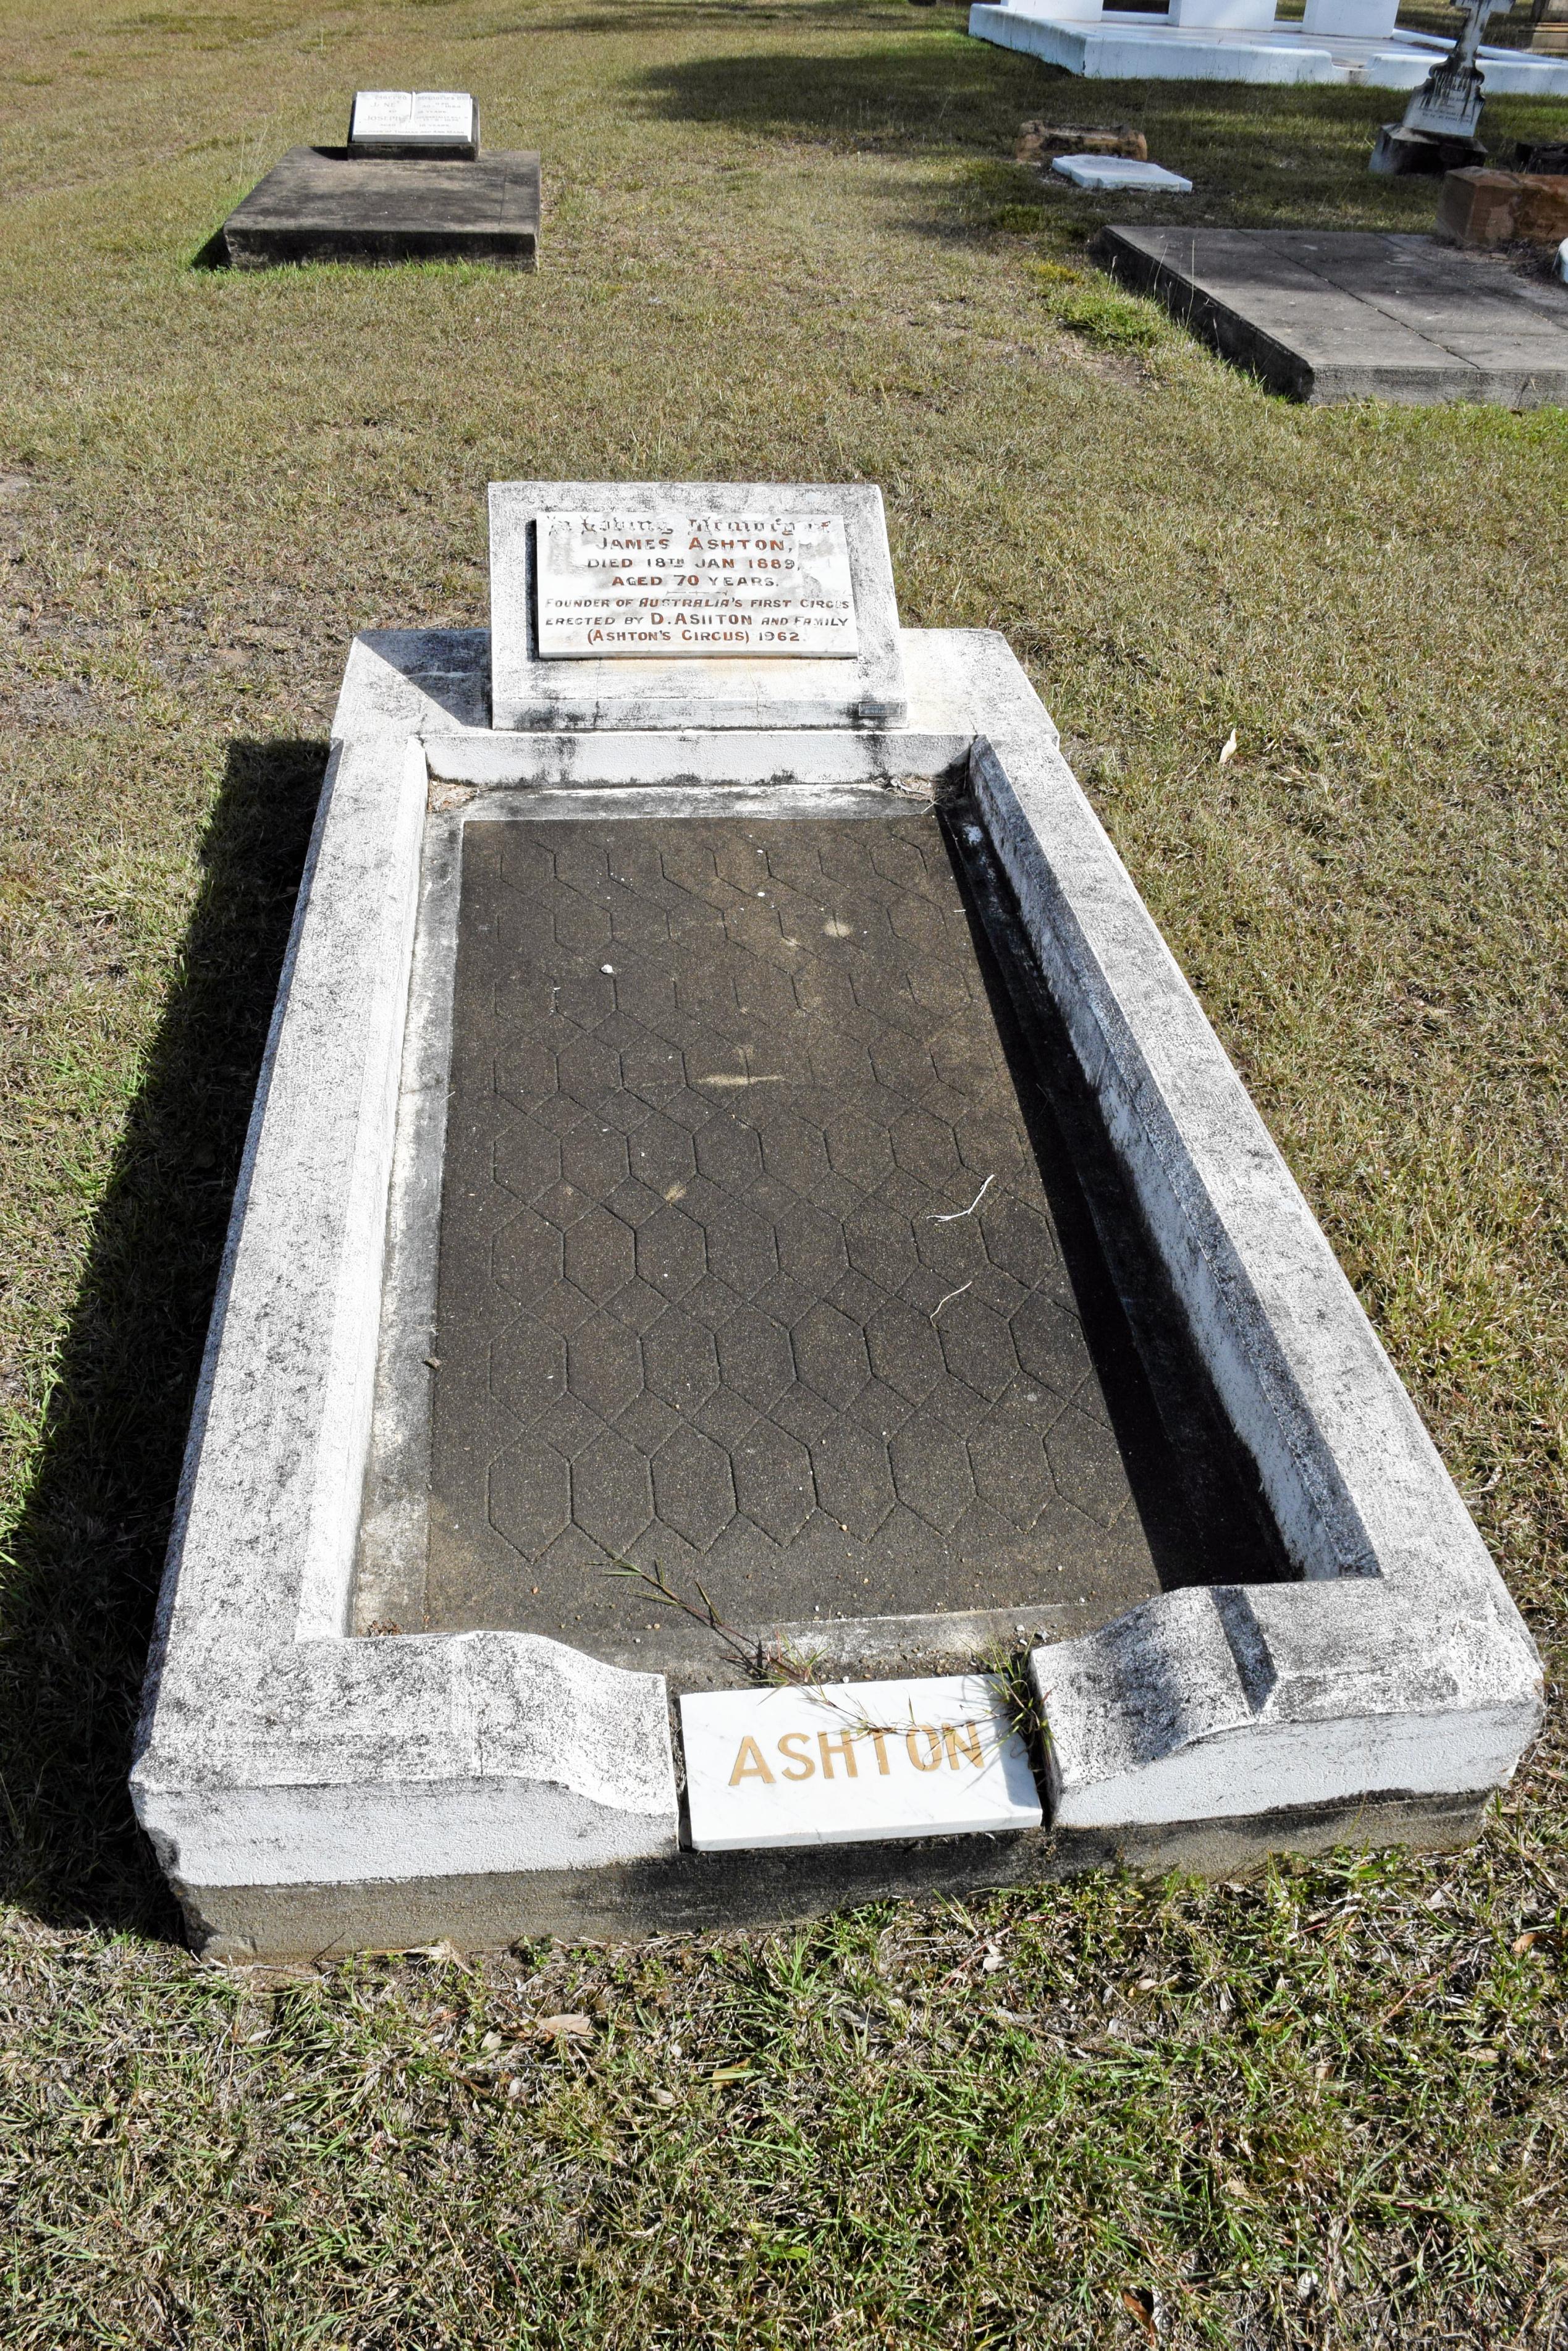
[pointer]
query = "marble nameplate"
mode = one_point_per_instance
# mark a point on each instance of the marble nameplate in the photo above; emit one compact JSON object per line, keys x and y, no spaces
{"x":848,"y":1763}
{"x":672,"y":585}
{"x":640,"y":605}
{"x":413,"y":123}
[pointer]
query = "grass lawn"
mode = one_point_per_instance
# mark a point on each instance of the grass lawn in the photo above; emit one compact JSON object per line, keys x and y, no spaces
{"x":1326,"y":2106}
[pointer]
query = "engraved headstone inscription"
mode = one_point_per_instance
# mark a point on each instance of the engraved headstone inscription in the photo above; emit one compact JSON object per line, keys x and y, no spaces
{"x":725,"y":604}
{"x":412,"y":122}
{"x":848,"y":1761}
{"x":675,"y":585}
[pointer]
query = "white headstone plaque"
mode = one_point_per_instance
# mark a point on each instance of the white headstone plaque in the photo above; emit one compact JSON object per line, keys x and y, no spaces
{"x":437,"y":119}
{"x":669,"y":585}
{"x":848,"y":1763}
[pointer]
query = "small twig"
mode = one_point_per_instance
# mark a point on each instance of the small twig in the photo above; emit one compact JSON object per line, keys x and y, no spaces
{"x":653,"y":1580}
{"x":953,"y":1215}
{"x":781,"y":1664}
{"x":950,"y":1297}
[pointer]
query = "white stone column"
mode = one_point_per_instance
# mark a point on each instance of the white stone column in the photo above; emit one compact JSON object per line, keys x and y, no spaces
{"x":1351,"y":20}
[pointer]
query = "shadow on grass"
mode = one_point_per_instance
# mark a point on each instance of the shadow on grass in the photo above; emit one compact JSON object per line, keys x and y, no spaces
{"x":921,"y":92}
{"x":1266,"y":154}
{"x":675,"y":16}
{"x":83,"y":1564}
{"x":212,"y":255}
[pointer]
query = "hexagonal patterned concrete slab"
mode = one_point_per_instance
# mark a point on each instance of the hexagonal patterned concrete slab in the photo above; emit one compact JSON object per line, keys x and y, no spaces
{"x":748,"y":1262}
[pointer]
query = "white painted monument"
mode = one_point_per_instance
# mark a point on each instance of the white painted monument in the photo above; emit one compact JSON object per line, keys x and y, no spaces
{"x":1350,"y":42}
{"x":845,"y":1762}
{"x":686,"y":586}
{"x":413,"y":123}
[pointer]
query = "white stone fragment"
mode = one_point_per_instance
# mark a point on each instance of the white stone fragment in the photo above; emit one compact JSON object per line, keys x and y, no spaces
{"x":1119,"y":171}
{"x":851,"y":1763}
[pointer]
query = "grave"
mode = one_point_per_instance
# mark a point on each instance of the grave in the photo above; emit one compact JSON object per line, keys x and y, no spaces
{"x":765,"y":1358}
{"x":1326,"y":316}
{"x":409,"y":185}
{"x":1353,"y":43}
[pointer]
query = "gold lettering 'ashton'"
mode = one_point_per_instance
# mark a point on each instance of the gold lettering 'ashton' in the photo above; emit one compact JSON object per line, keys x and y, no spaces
{"x":924,"y":1743}
{"x":790,"y":1745}
{"x":750,"y":1763}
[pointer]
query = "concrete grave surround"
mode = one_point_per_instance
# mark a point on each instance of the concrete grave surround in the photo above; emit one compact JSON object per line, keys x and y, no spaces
{"x":850,"y":1762}
{"x":531,"y":689}
{"x":1353,"y":43}
{"x":307,"y":1790}
{"x":323,"y":204}
{"x":1329,"y":315}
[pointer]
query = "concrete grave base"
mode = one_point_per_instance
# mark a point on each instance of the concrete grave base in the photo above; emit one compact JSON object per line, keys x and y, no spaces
{"x":694,"y":1892}
{"x":1325,"y":315}
{"x":319,"y":203}
{"x":1359,"y":1675}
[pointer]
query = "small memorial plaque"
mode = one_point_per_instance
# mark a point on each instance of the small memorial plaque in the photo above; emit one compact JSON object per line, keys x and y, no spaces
{"x":661,"y":586}
{"x":408,"y":122}
{"x":848,"y":1763}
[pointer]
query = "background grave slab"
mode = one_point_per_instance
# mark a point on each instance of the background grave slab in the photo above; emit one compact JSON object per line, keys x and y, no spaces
{"x":1330,"y":315}
{"x":320,"y":205}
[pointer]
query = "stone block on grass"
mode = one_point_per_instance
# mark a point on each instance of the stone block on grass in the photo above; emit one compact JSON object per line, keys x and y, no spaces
{"x":1482,"y":208}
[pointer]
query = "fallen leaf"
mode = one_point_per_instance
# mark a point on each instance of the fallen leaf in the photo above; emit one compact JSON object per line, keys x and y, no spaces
{"x":565,"y":2028}
{"x":1139,"y":2306}
{"x":1531,"y":1935}
{"x":1227,"y":751}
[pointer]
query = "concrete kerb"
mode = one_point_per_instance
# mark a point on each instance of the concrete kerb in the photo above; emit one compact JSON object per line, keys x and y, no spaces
{"x":1399,"y":1662}
{"x":288,"y":1773}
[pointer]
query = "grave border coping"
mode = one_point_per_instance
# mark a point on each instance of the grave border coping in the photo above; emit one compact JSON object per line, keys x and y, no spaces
{"x":278,"y":1756}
